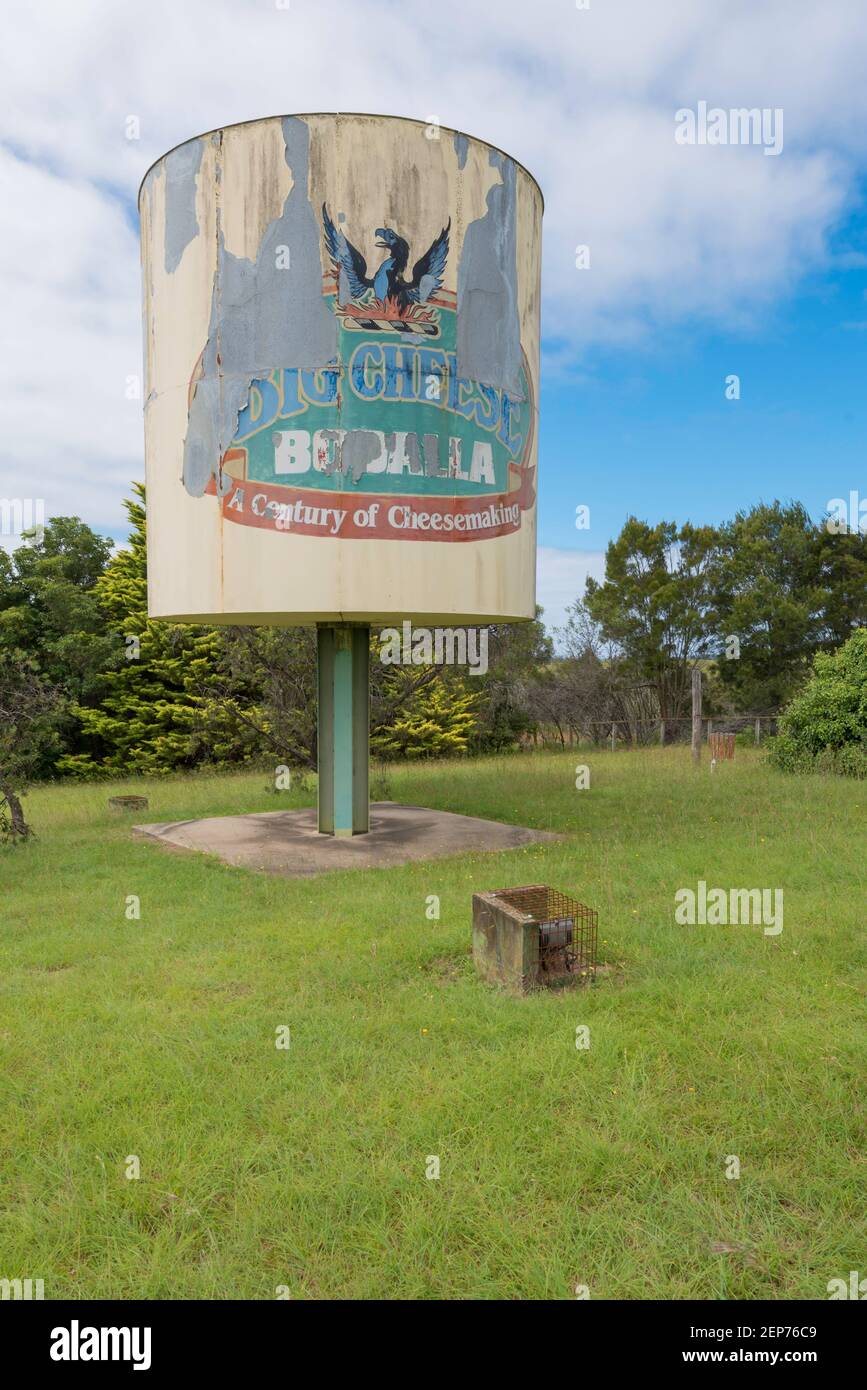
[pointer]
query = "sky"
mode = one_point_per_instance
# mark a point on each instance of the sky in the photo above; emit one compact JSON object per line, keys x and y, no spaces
{"x":703,"y":261}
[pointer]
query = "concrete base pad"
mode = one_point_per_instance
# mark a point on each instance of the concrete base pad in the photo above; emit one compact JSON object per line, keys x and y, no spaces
{"x":288,"y":842}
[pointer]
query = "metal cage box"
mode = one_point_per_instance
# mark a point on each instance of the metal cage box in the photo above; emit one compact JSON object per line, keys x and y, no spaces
{"x":527,"y":938}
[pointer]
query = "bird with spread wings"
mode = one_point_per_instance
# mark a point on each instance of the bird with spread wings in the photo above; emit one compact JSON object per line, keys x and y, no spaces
{"x":396,"y":295}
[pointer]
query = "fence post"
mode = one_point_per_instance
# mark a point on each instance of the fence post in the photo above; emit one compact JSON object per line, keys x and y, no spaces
{"x":613,"y":736}
{"x":696,"y":716}
{"x":662,"y":731}
{"x":758,"y":731}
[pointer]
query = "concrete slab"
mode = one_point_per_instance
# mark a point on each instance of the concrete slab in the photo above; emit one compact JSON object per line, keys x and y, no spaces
{"x":289,"y":843}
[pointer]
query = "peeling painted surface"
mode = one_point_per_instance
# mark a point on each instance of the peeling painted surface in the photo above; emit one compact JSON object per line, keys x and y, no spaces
{"x":260,"y":180}
{"x":489,"y":331}
{"x":262,"y":312}
{"x":323,"y":417}
{"x":181,"y":173}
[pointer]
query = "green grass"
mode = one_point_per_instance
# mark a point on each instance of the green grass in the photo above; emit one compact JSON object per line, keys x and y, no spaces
{"x":306,"y":1168}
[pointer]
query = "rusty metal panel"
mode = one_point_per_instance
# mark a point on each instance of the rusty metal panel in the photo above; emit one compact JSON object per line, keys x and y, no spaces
{"x":341,"y":357}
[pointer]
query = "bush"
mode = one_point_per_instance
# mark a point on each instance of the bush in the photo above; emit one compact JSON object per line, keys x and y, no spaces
{"x":824,"y":729}
{"x":437,"y":722}
{"x":850,"y":761}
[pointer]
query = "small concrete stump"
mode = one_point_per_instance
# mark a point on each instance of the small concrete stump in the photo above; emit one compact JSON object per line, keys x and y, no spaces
{"x":531,"y":937}
{"x":128,"y":803}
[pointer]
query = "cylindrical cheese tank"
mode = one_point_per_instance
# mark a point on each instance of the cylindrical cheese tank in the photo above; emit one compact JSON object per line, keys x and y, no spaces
{"x":341,"y":374}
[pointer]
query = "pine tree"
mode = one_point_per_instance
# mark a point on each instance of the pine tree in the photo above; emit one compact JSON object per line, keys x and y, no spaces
{"x":437,"y":722}
{"x":154,"y":716}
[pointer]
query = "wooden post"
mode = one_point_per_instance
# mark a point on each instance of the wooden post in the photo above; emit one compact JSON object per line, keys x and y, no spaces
{"x":758,"y":731}
{"x":613,"y":736}
{"x":662,"y":731}
{"x":696,"y":716}
{"x":709,"y":730}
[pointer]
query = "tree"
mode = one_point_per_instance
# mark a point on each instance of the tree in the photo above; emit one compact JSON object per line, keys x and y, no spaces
{"x":654,"y":608}
{"x":267,"y":682}
{"x":768,"y":594}
{"x":264,"y":689}
{"x":28,"y":714}
{"x":149,"y":716}
{"x":436,"y":721}
{"x":842,"y":578}
{"x":825,"y":726}
{"x":503,"y":712}
{"x":49,"y":608}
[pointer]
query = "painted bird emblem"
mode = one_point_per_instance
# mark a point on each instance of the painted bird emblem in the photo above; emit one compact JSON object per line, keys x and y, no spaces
{"x":393,"y":292}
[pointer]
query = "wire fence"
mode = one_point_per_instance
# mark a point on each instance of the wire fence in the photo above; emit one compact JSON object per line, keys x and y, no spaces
{"x":646,"y":732}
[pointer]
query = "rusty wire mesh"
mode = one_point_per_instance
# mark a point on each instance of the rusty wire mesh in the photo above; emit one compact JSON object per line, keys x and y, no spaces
{"x":567,"y":929}
{"x":722,"y":746}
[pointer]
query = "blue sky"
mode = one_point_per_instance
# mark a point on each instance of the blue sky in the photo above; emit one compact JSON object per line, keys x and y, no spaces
{"x":648,"y":429}
{"x":656,"y":418}
{"x":705,"y":262}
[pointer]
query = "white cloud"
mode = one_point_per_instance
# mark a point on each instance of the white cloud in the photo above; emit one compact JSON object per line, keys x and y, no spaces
{"x":69,"y":286}
{"x":560,"y":579}
{"x":586,"y":99}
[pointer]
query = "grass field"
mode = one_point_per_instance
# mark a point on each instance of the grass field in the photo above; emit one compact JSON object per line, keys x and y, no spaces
{"x":305,"y":1167}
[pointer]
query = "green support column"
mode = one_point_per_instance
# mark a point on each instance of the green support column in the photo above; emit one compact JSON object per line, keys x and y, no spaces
{"x":344,"y":731}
